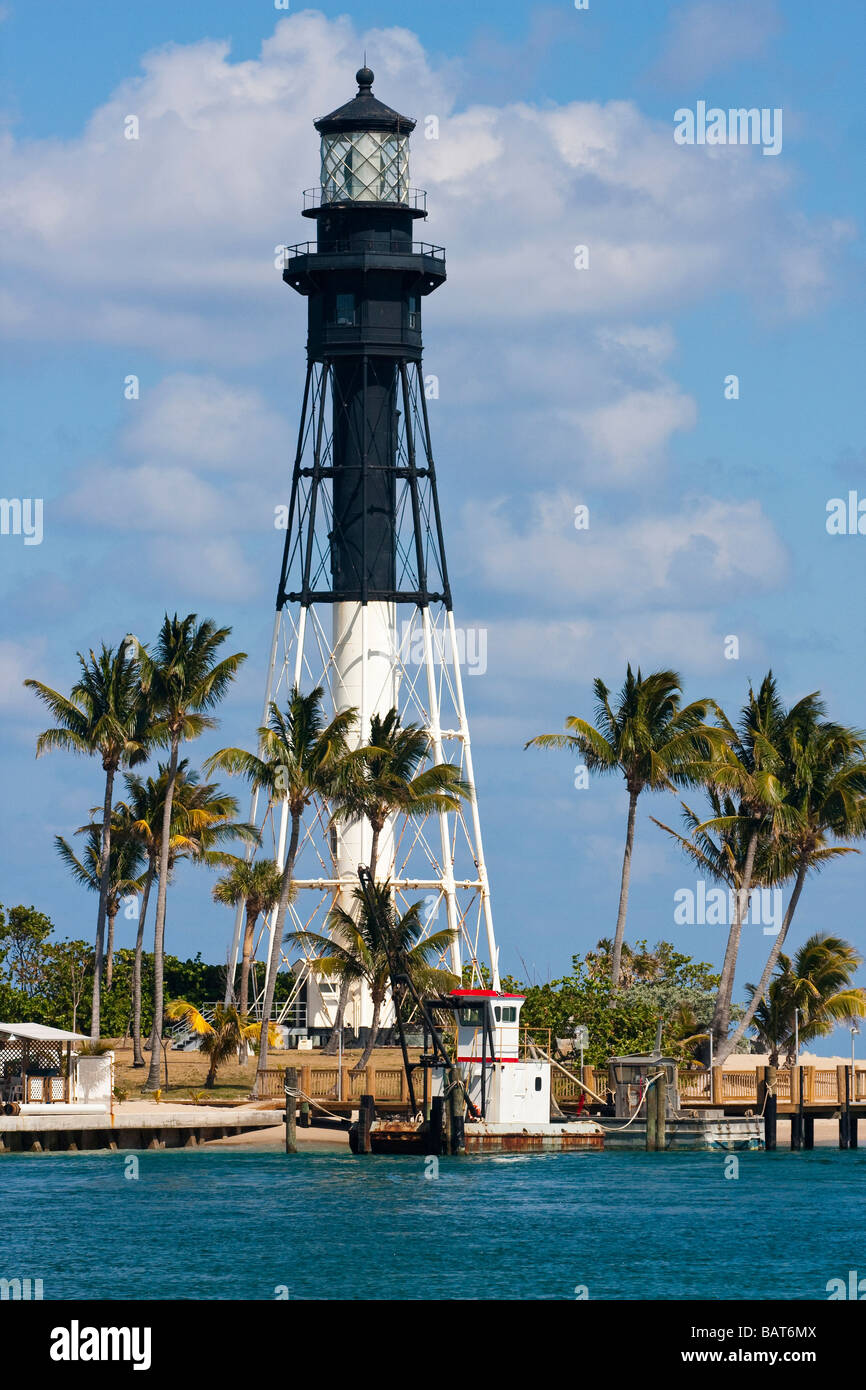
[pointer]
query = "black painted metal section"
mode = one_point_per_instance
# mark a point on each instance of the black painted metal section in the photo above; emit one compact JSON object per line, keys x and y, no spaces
{"x":364,"y":437}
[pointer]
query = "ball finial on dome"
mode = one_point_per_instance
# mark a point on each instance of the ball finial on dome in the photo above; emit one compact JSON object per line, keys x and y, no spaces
{"x":364,"y":77}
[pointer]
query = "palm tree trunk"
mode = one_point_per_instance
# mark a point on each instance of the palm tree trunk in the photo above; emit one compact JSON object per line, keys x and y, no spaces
{"x":277,"y":941}
{"x":137,"y":1055}
{"x":104,"y":872}
{"x":721,"y":1020}
{"x":727,"y":1047}
{"x":109,"y":949}
{"x":249,"y":928}
{"x":345,"y":982}
{"x":342,"y":1002}
{"x":616,"y":961}
{"x":152,"y":1083}
{"x":371,"y":1041}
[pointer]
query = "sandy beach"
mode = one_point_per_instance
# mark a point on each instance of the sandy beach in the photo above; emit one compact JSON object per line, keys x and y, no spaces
{"x":275,"y":1138}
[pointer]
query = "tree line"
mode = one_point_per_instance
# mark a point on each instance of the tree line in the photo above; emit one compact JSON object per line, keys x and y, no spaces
{"x":784,"y":790}
{"x":132,"y":701}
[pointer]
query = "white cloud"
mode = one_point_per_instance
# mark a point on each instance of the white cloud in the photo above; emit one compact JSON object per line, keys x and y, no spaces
{"x":597,"y":404}
{"x":204,"y":421}
{"x":167,"y":242}
{"x":708,"y":37}
{"x":724,"y":548}
{"x":149,"y":497}
{"x":212,"y":569}
{"x":632,"y":433}
{"x":19,"y":661}
{"x":194,"y":476}
{"x":568,"y":650}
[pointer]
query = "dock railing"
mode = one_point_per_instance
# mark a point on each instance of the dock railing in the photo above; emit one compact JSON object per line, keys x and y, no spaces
{"x":339,"y":1088}
{"x":738,"y":1088}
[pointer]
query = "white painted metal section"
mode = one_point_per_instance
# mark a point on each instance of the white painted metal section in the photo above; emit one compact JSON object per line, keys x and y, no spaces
{"x":476,"y":819}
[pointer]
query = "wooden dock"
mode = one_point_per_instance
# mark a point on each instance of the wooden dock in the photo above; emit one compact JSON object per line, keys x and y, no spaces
{"x":802,"y":1094}
{"x":736,"y":1091}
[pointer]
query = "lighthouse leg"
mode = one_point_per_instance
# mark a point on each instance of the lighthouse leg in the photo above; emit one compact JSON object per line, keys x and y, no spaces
{"x":280,"y":855}
{"x":436,"y":737}
{"x":254,"y":804}
{"x":476,"y":820}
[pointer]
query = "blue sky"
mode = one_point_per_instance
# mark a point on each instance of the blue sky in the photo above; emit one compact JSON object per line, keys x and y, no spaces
{"x":557,"y":386}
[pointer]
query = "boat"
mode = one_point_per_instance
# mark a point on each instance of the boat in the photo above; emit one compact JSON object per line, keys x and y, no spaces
{"x":635,"y":1124}
{"x":486,"y":1099}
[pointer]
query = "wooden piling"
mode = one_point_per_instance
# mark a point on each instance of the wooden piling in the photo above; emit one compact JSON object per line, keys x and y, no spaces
{"x":801,"y":1103}
{"x":843,"y":1092}
{"x":366,"y":1115}
{"x":651,"y":1118}
{"x":808,"y":1131}
{"x":291,"y":1089}
{"x":437,"y":1122}
{"x":458,"y":1136}
{"x":454,"y":1113}
{"x":768,"y":1103}
{"x":661,"y":1097}
{"x":796,"y":1107}
{"x":305,"y":1119}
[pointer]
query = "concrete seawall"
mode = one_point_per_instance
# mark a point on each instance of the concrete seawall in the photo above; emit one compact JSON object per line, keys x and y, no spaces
{"x":134,"y":1127}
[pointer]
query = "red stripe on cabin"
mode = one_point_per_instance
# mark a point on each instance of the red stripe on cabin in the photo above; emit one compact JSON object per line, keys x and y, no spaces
{"x":487,"y":994}
{"x":489,"y":1060}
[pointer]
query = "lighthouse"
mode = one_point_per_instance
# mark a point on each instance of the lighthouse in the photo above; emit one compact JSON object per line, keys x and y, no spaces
{"x":364,"y":605}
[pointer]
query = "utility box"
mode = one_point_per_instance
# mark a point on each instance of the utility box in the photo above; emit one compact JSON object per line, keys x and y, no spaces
{"x":628,"y":1078}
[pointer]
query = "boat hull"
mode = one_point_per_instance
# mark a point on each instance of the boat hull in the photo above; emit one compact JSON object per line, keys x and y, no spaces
{"x":403,"y":1137}
{"x":697,"y":1133}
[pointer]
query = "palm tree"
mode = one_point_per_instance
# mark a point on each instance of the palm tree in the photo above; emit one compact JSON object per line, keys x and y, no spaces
{"x":298,"y":759}
{"x":181,"y":681}
{"x":824,"y":780}
{"x":361,"y":950}
{"x":653,"y":740}
{"x":227,"y":1034}
{"x":125,"y":877}
{"x":817,"y":984}
{"x":257,"y":884}
{"x":197,"y":810}
{"x":750,"y":765}
{"x":104,"y":716}
{"x":382,"y":780}
{"x":638,"y":965}
{"x":725,"y":849}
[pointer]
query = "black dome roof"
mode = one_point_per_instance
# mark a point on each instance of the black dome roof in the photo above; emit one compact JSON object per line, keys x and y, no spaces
{"x":364,"y":112}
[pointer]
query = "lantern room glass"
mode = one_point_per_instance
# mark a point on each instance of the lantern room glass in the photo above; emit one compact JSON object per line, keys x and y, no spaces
{"x":365,"y":166}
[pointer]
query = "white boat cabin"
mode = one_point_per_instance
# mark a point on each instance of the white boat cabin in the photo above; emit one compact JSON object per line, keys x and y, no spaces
{"x":503,"y":1087}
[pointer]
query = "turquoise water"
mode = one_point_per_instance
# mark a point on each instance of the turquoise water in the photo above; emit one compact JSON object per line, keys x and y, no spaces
{"x":226,"y":1224}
